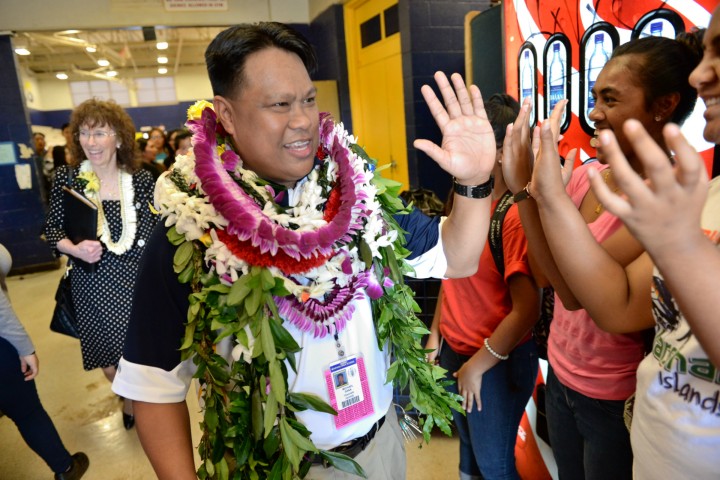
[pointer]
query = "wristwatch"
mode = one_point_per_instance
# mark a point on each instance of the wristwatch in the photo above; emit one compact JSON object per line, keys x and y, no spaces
{"x":475,"y":191}
{"x":522,"y":194}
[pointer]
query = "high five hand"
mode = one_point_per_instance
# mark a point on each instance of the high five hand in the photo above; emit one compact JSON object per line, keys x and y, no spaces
{"x":468,"y":144}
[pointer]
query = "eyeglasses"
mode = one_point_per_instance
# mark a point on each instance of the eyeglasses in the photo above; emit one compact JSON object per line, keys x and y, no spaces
{"x":98,"y":135}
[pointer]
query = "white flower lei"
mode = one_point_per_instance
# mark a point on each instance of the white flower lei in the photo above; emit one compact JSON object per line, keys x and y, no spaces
{"x":128,"y":214}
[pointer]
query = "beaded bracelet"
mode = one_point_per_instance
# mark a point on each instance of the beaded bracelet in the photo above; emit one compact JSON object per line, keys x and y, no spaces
{"x":493,"y":352}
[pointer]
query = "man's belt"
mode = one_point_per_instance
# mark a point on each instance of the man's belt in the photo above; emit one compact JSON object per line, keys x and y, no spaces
{"x":351,"y":448}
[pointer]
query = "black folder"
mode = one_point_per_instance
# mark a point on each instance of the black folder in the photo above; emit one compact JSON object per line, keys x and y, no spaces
{"x":81,"y":218}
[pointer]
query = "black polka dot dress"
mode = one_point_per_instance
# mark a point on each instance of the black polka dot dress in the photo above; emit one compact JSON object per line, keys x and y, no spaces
{"x":103,"y":299}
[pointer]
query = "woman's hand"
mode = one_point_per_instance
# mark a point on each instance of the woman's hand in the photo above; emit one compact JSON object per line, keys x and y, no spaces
{"x":665,"y":209}
{"x":29,"y":366}
{"x":519,"y":152}
{"x":518,"y":158}
{"x":549,"y":176}
{"x":432,"y":343}
{"x":88,"y":250}
{"x":469,"y":379}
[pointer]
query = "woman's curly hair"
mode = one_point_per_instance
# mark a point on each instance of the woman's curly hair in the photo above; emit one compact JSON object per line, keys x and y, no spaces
{"x":99,"y":113}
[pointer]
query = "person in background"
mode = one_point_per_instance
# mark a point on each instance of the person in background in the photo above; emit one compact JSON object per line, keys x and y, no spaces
{"x":58,"y":155}
{"x":183,"y":142}
{"x":675,"y":215}
{"x":485,"y":322}
{"x":172,"y":150}
{"x":148,"y":153}
{"x":158,"y":137}
{"x":43,"y":166}
{"x":593,"y":364}
{"x":19,"y":400}
{"x":172,"y":134}
{"x":62,"y":154}
{"x":39,"y":145}
{"x":105,"y":169}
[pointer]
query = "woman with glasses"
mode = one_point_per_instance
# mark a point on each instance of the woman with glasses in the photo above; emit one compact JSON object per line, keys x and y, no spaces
{"x":105,"y":169}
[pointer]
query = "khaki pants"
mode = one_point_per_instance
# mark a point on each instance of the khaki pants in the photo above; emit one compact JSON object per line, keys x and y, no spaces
{"x":382,"y":459}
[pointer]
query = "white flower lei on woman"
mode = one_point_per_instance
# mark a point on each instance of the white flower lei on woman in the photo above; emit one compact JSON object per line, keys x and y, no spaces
{"x":128,"y":214}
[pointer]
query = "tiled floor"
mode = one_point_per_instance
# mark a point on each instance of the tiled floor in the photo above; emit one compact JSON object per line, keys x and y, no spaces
{"x":87,"y":413}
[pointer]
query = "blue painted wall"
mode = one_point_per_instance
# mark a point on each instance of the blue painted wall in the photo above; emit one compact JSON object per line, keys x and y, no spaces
{"x":172,"y":116}
{"x":22,"y":212}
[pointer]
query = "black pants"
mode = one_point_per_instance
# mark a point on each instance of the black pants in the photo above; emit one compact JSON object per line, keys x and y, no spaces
{"x":20,"y":402}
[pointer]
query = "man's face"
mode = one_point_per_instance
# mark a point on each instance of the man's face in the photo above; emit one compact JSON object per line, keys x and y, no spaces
{"x":273,"y":117}
{"x":706,"y":79}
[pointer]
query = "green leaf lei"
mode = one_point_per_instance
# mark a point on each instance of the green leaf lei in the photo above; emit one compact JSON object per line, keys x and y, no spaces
{"x":250,"y":430}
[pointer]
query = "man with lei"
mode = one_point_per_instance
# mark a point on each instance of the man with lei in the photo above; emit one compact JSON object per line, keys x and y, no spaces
{"x":276,"y":279}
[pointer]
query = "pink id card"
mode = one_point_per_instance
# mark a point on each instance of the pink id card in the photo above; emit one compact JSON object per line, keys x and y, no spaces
{"x":348,"y":389}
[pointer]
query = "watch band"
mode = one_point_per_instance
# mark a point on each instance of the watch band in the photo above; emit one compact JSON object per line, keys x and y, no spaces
{"x":522,"y":194}
{"x":475,"y":191}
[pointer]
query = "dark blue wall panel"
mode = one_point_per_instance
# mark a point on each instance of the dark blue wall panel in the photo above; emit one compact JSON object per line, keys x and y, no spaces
{"x":22,"y":212}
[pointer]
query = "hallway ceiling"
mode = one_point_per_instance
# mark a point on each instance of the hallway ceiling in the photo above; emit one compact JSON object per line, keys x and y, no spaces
{"x":130,"y":52}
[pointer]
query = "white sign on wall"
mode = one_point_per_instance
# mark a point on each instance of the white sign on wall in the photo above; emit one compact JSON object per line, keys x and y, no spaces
{"x":195,"y":5}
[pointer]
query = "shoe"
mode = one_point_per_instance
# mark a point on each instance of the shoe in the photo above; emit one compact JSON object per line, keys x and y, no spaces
{"x":79,"y":466}
{"x":128,"y":421}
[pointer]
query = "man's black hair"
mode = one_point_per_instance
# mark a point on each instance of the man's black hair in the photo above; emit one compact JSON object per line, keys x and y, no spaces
{"x":226,"y":55}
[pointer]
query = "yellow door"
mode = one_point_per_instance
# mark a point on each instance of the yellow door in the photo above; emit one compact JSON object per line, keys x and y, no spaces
{"x":376,"y":83}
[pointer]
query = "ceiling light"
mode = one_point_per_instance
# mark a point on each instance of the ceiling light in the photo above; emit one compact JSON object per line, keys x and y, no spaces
{"x":61,"y":76}
{"x":111,"y":73}
{"x":103,"y":62}
{"x":22,"y":51}
{"x":162,"y":70}
{"x":91,"y":48}
{"x":162,"y":60}
{"x":162,"y":45}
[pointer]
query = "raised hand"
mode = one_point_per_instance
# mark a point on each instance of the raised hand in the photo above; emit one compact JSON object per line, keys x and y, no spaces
{"x":549,"y":177}
{"x":554,"y":120}
{"x":518,"y":158}
{"x":468,"y":144}
{"x":661,"y":210}
{"x":519,"y":152}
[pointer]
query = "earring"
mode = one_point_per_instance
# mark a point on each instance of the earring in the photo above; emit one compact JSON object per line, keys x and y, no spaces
{"x":118,"y":146}
{"x":658,"y":118}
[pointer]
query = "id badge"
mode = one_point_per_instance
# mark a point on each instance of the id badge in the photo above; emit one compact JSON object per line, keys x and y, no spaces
{"x":348,"y":389}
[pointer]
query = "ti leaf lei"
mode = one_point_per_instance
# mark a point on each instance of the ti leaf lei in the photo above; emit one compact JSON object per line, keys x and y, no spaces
{"x":241,"y":252}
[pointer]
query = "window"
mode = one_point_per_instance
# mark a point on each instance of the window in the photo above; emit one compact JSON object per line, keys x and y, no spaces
{"x":154,"y":90}
{"x":100,"y":89}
